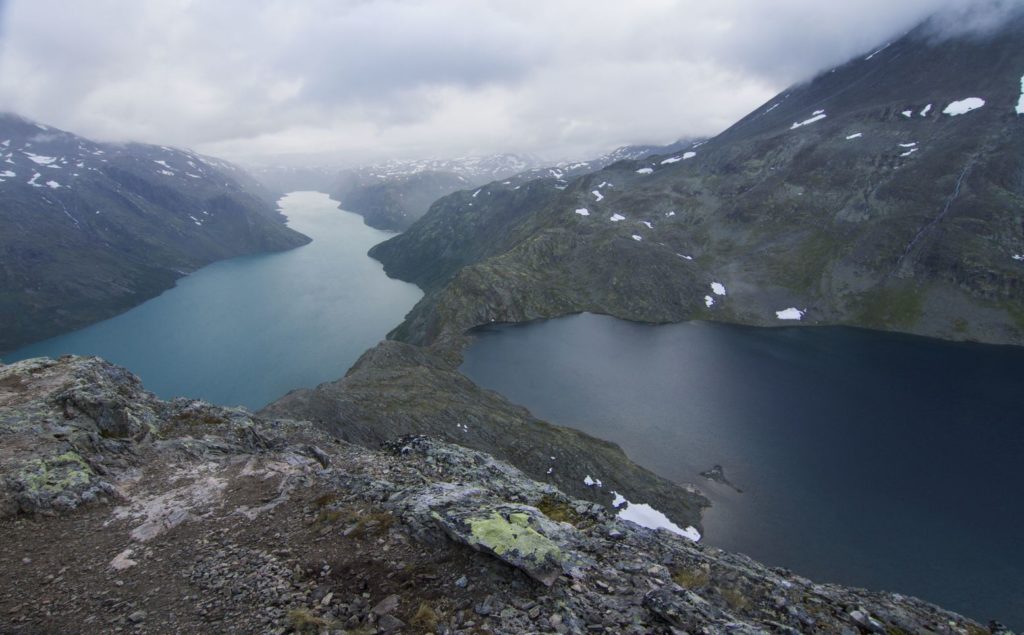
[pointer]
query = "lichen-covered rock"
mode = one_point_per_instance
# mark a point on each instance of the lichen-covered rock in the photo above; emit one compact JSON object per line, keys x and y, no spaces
{"x":508,"y":535}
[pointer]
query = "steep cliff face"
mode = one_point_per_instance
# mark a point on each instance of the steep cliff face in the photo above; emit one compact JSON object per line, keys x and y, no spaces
{"x":886,"y":192}
{"x":88,"y":230}
{"x":119,"y":511}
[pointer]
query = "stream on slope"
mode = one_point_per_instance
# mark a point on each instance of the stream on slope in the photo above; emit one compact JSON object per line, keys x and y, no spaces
{"x":866,"y":458}
{"x":247,"y":330}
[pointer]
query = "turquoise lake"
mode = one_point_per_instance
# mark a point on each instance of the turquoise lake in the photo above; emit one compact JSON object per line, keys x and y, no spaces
{"x":247,"y":330}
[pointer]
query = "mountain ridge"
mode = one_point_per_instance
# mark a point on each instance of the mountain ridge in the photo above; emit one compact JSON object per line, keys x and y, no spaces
{"x":852,"y":198}
{"x":88,"y":230}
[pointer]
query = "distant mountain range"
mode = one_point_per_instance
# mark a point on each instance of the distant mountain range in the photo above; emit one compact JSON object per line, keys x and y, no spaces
{"x":886,"y":192}
{"x":89,"y":229}
{"x":394,"y":194}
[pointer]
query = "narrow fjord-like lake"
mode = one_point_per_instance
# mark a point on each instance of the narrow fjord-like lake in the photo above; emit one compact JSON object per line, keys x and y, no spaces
{"x":247,"y":330}
{"x":867,"y":458}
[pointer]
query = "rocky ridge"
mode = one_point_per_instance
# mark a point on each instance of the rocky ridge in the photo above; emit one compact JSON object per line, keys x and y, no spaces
{"x":183,"y":516}
{"x":884,"y":193}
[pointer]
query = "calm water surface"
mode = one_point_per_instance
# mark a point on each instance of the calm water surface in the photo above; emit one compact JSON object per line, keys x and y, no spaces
{"x":866,"y":458}
{"x":247,"y":330}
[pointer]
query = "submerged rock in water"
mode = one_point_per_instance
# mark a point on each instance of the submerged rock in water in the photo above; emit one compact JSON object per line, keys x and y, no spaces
{"x":717,"y":474}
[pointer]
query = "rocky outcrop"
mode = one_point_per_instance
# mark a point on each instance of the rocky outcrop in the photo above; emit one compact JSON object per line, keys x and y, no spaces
{"x":396,"y":389}
{"x":213,"y":520}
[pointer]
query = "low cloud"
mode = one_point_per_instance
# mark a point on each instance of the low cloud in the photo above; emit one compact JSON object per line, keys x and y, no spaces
{"x":359,"y":81}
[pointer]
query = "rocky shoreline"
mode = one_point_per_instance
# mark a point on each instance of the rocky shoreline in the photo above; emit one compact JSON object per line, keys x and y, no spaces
{"x":124,"y":513}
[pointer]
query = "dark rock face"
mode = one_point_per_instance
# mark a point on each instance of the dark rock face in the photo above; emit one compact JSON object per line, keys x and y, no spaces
{"x":857,"y":198}
{"x":206,"y":519}
{"x":88,"y":230}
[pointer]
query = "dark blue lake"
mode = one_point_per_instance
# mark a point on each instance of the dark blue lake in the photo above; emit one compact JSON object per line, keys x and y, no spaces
{"x":247,"y":330}
{"x":872,"y":459}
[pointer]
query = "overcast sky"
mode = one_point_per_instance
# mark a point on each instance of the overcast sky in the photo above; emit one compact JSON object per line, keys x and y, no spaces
{"x":351,"y":82}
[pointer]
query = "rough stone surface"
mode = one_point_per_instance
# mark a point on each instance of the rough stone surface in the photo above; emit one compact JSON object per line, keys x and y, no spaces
{"x":248,"y":530}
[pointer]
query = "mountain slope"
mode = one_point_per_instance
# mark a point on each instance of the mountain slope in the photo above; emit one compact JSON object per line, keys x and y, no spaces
{"x":396,"y":201}
{"x":872,"y":195}
{"x":395,"y":194}
{"x":88,"y":230}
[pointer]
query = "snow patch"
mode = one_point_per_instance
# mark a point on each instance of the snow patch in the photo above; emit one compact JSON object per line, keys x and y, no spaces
{"x":771,"y":108}
{"x":927,"y":109}
{"x":167,"y":173}
{"x":598,"y":196}
{"x":32,"y":181}
{"x":908,"y":145}
{"x":616,"y":218}
{"x":648,"y":223}
{"x":791,"y":313}
{"x":583,"y":211}
{"x":1020,"y":103}
{"x":646,"y":516}
{"x":718,"y":288}
{"x":645,"y":171}
{"x":856,"y":135}
{"x":1018,"y":256}
{"x":672,"y":160}
{"x":909,"y":152}
{"x":907,"y":113}
{"x":7,"y":174}
{"x":592,"y":482}
{"x":475,"y":193}
{"x":689,"y":155}
{"x":818,"y":115}
{"x":40,"y":159}
{"x":163,"y":163}
{"x":963,"y":106}
{"x":685,"y":257}
{"x":709,"y":301}
{"x":52,"y":185}
{"x":670,"y":214}
{"x":637,"y":238}
{"x":877,"y":52}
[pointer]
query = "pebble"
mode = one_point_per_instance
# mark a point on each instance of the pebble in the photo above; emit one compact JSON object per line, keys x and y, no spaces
{"x":137,"y":616}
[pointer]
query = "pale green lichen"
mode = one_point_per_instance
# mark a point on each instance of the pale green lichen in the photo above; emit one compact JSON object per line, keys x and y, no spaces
{"x":56,"y":474}
{"x":515,"y":534}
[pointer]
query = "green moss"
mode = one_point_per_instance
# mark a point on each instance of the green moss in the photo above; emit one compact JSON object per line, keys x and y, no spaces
{"x":515,"y":534}
{"x":804,"y":264}
{"x":303,"y":621}
{"x":1016,"y":313}
{"x":735,"y":599}
{"x":325,"y":499}
{"x":899,"y":307}
{"x":425,"y":619}
{"x":691,"y":578}
{"x":373,"y":523}
{"x":558,"y":510}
